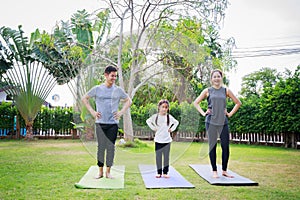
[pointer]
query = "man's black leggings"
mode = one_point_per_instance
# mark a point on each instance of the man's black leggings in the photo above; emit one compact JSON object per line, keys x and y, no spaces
{"x":106,"y":137}
{"x":213,"y":131}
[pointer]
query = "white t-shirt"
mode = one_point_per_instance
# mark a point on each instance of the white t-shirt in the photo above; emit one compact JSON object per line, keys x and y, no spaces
{"x":162,"y":134}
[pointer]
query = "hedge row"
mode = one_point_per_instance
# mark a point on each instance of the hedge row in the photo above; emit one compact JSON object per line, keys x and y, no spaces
{"x":250,"y":118}
{"x":57,"y":119}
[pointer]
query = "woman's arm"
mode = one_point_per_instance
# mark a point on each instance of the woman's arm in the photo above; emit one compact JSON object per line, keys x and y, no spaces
{"x":196,"y":103}
{"x":237,"y":102}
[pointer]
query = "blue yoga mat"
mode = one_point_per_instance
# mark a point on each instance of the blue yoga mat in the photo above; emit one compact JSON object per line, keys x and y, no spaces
{"x":205,"y":172}
{"x":176,"y":180}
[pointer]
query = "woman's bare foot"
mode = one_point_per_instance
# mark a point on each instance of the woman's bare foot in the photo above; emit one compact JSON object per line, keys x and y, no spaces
{"x":166,"y":176}
{"x":227,"y":175}
{"x":215,"y":174}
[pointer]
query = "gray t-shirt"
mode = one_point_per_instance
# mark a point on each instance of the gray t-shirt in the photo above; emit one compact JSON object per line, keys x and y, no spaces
{"x":107,"y":101}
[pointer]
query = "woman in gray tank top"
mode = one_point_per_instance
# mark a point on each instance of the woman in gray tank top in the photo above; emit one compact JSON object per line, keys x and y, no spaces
{"x":216,"y":122}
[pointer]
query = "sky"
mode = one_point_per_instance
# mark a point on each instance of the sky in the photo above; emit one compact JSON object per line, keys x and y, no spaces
{"x":262,"y":25}
{"x":254,"y":24}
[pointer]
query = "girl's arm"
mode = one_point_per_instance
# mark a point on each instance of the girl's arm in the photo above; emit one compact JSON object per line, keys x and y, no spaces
{"x":174,"y":123}
{"x":237,"y":102}
{"x":151,"y":123}
{"x":201,"y":97}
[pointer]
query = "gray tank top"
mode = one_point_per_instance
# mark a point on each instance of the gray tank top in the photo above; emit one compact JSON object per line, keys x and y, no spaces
{"x":217,"y":104}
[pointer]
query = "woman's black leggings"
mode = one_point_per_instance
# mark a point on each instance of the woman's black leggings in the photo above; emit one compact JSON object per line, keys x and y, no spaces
{"x":106,"y":137}
{"x":162,"y":150}
{"x":213,"y":131}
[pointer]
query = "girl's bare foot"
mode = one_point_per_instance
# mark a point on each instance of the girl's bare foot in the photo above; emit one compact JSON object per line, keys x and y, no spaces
{"x":215,"y":174}
{"x":227,"y":175}
{"x":158,"y":176}
{"x":166,"y":176}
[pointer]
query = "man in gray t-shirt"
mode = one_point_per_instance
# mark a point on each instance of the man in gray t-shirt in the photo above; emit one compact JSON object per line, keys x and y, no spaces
{"x":107,"y":97}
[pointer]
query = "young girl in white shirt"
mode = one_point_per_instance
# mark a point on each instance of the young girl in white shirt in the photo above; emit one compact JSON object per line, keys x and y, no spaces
{"x":163,"y":124}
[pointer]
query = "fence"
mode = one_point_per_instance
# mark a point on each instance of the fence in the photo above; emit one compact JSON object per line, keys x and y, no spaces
{"x":49,"y":123}
{"x":41,"y":134}
{"x":245,"y":138}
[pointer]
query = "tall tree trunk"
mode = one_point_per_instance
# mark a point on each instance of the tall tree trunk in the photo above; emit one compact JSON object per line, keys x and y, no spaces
{"x":181,"y":90}
{"x":127,"y":123}
{"x":18,"y":128}
{"x":29,"y":131}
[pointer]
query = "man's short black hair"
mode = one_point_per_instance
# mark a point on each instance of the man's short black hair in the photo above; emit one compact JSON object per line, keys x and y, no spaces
{"x":110,"y":69}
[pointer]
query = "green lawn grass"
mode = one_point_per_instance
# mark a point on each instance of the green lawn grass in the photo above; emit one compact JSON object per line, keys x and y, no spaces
{"x":48,"y":169}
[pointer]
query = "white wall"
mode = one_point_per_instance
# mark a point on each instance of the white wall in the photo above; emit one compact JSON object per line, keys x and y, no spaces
{"x":3,"y":96}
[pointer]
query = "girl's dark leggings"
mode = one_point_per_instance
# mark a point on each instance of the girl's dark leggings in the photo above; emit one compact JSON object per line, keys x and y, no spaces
{"x":213,"y":131}
{"x":106,"y":137}
{"x":162,"y":150}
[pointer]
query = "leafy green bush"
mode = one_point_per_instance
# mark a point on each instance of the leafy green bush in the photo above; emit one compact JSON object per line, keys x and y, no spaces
{"x":58,"y":119}
{"x":7,"y":114}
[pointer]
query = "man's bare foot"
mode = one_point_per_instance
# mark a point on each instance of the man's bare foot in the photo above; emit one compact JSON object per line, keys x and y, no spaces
{"x":227,"y":175}
{"x":108,"y":175}
{"x":166,"y":176}
{"x":99,"y":176}
{"x":215,"y":174}
{"x":158,"y":176}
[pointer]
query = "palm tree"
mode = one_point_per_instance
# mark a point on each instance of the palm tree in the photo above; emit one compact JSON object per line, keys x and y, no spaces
{"x":30,"y":82}
{"x":33,"y":67}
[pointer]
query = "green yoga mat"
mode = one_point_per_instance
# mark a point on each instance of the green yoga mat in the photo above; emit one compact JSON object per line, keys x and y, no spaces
{"x":88,"y":181}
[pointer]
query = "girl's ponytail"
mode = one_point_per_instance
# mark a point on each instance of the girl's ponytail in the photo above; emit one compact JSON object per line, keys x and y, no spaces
{"x":168,"y":118}
{"x":156,"y":119}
